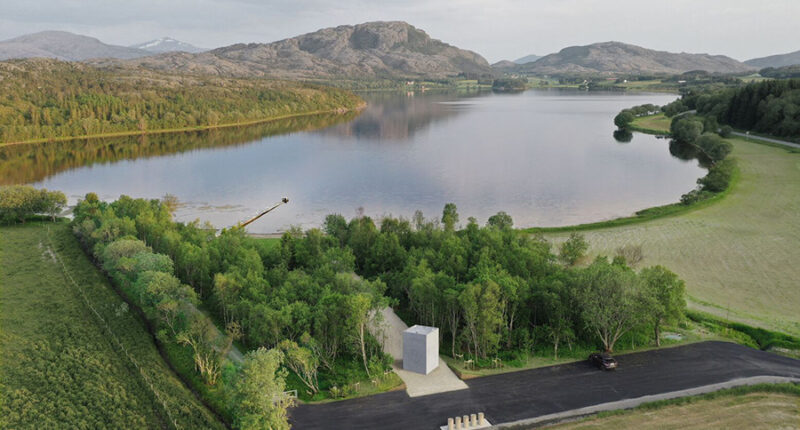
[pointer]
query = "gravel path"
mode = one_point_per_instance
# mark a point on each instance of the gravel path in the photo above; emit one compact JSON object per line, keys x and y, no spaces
{"x":767,"y":139}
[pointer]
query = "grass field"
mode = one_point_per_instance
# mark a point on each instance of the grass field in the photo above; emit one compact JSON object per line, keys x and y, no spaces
{"x":652,"y":124}
{"x":64,"y":366}
{"x":739,"y":256}
{"x":747,"y":411}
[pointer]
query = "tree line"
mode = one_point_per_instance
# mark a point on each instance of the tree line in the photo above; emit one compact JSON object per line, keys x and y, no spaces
{"x":692,"y":136}
{"x":625,"y":117}
{"x":771,"y":107}
{"x":304,"y":307}
{"x":495,"y":292}
{"x":701,"y":138}
{"x":20,"y":202}
{"x":313,"y":318}
{"x":784,"y":72}
{"x":41,"y":99}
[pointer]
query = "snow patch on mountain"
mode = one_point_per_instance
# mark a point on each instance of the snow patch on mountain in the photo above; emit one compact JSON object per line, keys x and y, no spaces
{"x":167,"y":44}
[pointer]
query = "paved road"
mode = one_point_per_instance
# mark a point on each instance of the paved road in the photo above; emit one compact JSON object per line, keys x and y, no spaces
{"x":537,"y":392}
{"x":767,"y":139}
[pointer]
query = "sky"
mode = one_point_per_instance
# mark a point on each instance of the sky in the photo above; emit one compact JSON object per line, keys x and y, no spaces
{"x":496,"y":29}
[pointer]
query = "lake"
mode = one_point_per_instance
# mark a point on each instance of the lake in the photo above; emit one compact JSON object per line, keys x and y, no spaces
{"x":547,"y":157}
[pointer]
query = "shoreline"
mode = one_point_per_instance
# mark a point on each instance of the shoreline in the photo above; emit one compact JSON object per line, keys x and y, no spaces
{"x":338,"y":111}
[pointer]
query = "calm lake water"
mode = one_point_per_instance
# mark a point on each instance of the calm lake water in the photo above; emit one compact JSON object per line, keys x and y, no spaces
{"x":548,"y":158}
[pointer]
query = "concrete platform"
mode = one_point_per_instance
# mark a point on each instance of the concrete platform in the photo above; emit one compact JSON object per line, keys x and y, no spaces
{"x":486,"y":425}
{"x":441,"y":380}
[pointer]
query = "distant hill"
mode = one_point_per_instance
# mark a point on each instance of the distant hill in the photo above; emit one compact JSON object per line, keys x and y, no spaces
{"x":504,"y":65}
{"x":784,"y":72}
{"x":167,"y":44}
{"x":370,"y":50}
{"x":527,"y":59}
{"x":619,"y":58}
{"x":510,"y":66}
{"x":776,"y":61}
{"x":64,"y":45}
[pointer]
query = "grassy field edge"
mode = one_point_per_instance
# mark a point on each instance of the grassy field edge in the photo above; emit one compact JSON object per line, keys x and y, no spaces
{"x":177,"y":358}
{"x":59,"y":315}
{"x":787,"y":388}
{"x":644,"y":215}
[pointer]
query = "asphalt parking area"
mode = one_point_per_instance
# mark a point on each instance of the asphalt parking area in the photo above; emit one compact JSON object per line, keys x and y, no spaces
{"x":531,"y":393}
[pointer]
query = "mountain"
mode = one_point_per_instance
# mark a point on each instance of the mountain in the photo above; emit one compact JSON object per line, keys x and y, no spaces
{"x":63,"y":45}
{"x":619,"y":58}
{"x":504,"y":65}
{"x":527,"y":59}
{"x":167,"y":44}
{"x":780,"y":60}
{"x":370,"y":50}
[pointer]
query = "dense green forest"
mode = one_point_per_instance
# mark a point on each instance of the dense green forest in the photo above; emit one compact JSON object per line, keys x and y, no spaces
{"x":495,"y":292}
{"x":48,"y":99}
{"x":22,"y":164}
{"x":317,"y":319}
{"x":784,"y":72}
{"x":313,"y":297}
{"x":771,"y":107}
{"x":305,"y":289}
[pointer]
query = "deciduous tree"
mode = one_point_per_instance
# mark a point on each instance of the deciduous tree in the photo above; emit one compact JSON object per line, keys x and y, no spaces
{"x":258,"y":399}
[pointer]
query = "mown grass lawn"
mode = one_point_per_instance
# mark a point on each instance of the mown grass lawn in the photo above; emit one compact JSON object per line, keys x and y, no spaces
{"x":653,"y":124}
{"x":59,"y":365}
{"x":738,"y":256}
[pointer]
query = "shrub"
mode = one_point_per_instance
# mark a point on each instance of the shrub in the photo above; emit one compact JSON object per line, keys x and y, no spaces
{"x":624,"y":119}
{"x":632,"y":254}
{"x":686,"y":130}
{"x":674,"y":108}
{"x":713,"y":146}
{"x":695,"y":196}
{"x":18,"y":202}
{"x":573,"y":249}
{"x":718,"y":177}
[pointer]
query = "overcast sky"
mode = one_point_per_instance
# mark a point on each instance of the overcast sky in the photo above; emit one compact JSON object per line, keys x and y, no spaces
{"x":497,"y":29}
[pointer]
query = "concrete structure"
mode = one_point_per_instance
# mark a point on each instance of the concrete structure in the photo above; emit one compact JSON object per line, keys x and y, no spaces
{"x":390,"y":331}
{"x":467,"y":422}
{"x":421,"y":349}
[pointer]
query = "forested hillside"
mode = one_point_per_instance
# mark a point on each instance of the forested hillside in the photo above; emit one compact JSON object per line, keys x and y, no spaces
{"x":615,"y":58}
{"x":771,"y":107}
{"x":47,"y":99}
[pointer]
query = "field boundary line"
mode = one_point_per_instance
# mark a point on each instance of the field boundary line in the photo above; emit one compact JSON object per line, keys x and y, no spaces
{"x":632,"y":403}
{"x":146,"y":379}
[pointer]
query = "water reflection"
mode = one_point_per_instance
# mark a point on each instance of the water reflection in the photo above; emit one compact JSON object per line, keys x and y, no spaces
{"x":32,"y":163}
{"x":623,"y":136}
{"x":393,"y":116}
{"x":545,"y":157}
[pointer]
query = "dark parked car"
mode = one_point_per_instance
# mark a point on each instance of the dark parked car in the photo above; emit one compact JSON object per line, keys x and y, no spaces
{"x":603,"y":361}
